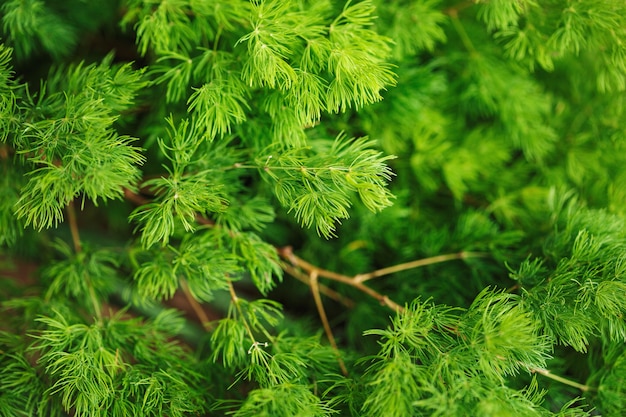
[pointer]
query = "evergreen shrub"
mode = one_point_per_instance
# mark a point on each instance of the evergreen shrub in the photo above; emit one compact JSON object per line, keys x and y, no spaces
{"x":312,"y":208}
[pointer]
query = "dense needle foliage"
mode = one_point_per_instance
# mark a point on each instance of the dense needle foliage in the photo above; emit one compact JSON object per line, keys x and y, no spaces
{"x":312,"y":208}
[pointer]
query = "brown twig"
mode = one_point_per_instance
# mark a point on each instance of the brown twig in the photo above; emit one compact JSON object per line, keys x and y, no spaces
{"x":134,"y":197}
{"x":73,"y":223}
{"x":357,"y":280}
{"x":197,"y":308}
{"x":328,"y":292}
{"x":416,"y":264}
{"x":4,"y":151}
{"x":548,"y":374}
{"x":454,"y":10}
{"x":204,"y":221}
{"x":288,"y":254}
{"x":322,"y":313}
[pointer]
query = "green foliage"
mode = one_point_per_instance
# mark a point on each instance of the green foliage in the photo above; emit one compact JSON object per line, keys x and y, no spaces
{"x":111,"y":367}
{"x":584,"y":287}
{"x":444,"y":179}
{"x":316,"y":187}
{"x":72,"y":123}
{"x":421,"y":351}
{"x":32,"y":22}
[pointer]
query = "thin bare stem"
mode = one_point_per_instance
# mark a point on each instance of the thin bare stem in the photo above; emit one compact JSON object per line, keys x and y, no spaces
{"x":548,"y":374}
{"x":322,"y":313}
{"x":460,"y":30}
{"x":197,"y":308}
{"x":288,"y":254}
{"x":454,"y":10}
{"x":4,"y":151}
{"x":417,"y":263}
{"x":233,"y":295}
{"x":204,"y":221}
{"x":328,"y":292}
{"x":73,"y":223}
{"x":357,"y":280}
{"x":220,"y":28}
{"x":383,"y":299}
{"x":134,"y":197}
